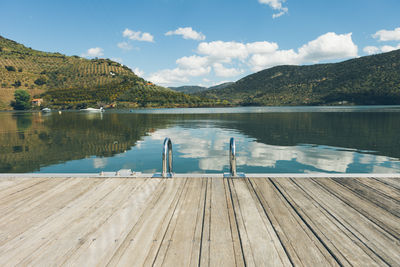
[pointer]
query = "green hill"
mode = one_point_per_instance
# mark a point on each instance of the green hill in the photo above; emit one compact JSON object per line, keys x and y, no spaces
{"x":192,"y":89}
{"x":71,"y":81}
{"x":366,"y":80}
{"x":189,"y":89}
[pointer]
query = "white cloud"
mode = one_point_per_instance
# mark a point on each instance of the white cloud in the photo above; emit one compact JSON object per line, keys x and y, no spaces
{"x":387,"y":35}
{"x":277,"y":15}
{"x":125,"y":46}
{"x":178,"y":75}
{"x":223,"y":51}
{"x":117,"y":59}
{"x":388,"y":48}
{"x":276,"y":5}
{"x":222,"y":71}
{"x":192,"y":66}
{"x":138,"y":72}
{"x":371,"y":50}
{"x":192,"y":62}
{"x":255,"y":56}
{"x":187,"y":33}
{"x":138,"y":36}
{"x":281,"y":57}
{"x":261,"y":47}
{"x":383,"y":49}
{"x":260,"y":55}
{"x":329,"y":46}
{"x":94,"y":52}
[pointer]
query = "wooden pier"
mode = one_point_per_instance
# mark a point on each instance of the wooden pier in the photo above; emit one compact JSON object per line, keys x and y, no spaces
{"x":200,"y":221}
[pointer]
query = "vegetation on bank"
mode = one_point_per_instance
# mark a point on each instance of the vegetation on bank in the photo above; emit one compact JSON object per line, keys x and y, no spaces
{"x":130,"y":93}
{"x":362,"y":81}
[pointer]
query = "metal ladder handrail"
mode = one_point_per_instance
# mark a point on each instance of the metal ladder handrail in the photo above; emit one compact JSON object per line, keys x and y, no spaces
{"x":167,"y":148}
{"x":232,"y":157}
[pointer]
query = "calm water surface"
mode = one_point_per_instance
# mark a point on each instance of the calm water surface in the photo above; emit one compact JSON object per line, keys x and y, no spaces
{"x":268,"y":140}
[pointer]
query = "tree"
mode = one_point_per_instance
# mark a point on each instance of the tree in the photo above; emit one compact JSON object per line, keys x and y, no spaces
{"x":40,"y":81}
{"x":17,"y":84}
{"x":22,"y":100}
{"x":10,"y":68}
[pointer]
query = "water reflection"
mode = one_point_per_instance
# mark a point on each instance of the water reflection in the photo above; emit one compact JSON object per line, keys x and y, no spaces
{"x":296,"y":142}
{"x":209,"y":147}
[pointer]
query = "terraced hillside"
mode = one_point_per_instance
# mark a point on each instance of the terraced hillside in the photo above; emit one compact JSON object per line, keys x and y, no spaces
{"x":37,"y":72}
{"x":71,"y":81}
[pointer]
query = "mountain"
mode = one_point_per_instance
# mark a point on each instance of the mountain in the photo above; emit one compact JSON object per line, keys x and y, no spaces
{"x":366,"y":80}
{"x":221,"y":86}
{"x":192,"y":89}
{"x":71,"y":81}
{"x":189,"y":89}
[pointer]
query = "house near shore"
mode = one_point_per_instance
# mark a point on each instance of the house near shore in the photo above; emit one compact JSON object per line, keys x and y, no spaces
{"x":37,"y":102}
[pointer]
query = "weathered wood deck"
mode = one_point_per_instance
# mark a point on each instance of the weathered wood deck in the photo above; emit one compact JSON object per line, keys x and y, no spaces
{"x":199,"y":221}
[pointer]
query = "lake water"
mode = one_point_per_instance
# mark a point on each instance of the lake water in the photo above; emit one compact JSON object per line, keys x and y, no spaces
{"x":268,"y":140}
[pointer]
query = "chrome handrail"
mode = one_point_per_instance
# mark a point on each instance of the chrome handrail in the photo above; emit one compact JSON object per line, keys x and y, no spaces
{"x":167,"y":148}
{"x":232,"y":157}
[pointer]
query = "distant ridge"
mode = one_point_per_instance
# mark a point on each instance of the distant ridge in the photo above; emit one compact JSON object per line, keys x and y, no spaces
{"x":362,"y":81}
{"x":191,"y":89}
{"x":72,"y":82}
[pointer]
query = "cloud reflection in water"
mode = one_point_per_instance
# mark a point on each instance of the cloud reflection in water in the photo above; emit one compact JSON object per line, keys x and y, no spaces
{"x":209,"y":146}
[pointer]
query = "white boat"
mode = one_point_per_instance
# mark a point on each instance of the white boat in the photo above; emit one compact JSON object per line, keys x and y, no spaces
{"x":46,"y":110}
{"x":93,"y":109}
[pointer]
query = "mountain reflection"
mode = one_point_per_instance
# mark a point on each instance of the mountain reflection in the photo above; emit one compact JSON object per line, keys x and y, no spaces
{"x":266,"y":142}
{"x":30,"y":141}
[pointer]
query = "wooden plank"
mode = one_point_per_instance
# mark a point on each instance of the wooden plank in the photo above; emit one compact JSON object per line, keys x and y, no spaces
{"x":262,"y":246}
{"x":221,"y":241}
{"x":290,"y":228}
{"x":20,"y":206}
{"x":65,"y":243}
{"x":107,"y":240}
{"x":247,"y":254}
{"x":59,"y":215}
{"x":372,"y":195}
{"x":7,"y":183}
{"x":20,"y":188}
{"x":392,"y":182}
{"x":348,"y":234}
{"x":204,"y":259}
{"x":180,"y":246}
{"x":198,"y":235}
{"x":140,"y":246}
{"x":376,"y":214}
{"x":381,"y":187}
{"x":341,"y":242}
{"x":15,"y":224}
{"x":237,"y":247}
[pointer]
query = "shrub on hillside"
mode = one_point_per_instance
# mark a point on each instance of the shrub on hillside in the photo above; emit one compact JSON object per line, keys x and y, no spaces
{"x":17,"y":84}
{"x":10,"y":68}
{"x":40,"y":81}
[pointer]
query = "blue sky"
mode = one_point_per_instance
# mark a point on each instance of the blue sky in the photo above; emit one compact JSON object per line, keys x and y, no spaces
{"x":205,"y":42}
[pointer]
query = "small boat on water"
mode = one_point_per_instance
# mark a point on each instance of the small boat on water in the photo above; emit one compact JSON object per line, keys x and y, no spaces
{"x":93,"y":109}
{"x":46,"y":110}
